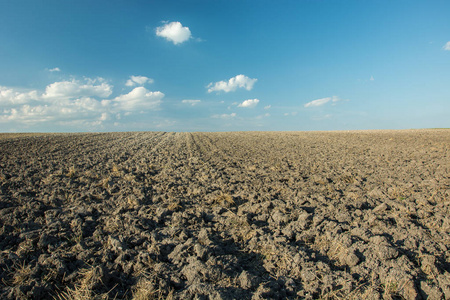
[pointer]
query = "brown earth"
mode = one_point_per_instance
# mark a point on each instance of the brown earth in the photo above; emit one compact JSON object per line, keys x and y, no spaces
{"x":257,"y":215}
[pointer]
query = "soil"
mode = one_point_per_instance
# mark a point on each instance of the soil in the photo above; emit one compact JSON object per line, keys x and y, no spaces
{"x":254,"y":215}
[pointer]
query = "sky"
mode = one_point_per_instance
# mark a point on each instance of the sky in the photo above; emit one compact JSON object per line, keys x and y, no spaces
{"x":223,"y":65}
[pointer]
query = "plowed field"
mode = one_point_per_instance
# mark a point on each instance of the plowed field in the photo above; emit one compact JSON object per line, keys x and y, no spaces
{"x":254,"y":215}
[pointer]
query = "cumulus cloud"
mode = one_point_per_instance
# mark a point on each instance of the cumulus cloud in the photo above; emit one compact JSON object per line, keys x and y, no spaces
{"x":80,"y":110}
{"x":138,"y":99}
{"x":447,"y":46}
{"x":74,"y":102}
{"x":224,"y":116}
{"x":22,"y":113}
{"x":138,"y":80}
{"x":191,"y":102}
{"x":250,"y":103}
{"x":267,"y":106}
{"x":87,"y":104}
{"x":104,"y":117}
{"x":11,"y":97}
{"x":239,"y":81}
{"x":54,"y":70}
{"x":174,"y":32}
{"x":75,"y":88}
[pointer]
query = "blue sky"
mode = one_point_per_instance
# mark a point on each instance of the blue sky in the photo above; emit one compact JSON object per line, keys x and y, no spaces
{"x":223,"y":65}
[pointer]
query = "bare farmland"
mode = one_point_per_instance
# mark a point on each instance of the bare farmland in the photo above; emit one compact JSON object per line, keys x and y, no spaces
{"x":255,"y":215}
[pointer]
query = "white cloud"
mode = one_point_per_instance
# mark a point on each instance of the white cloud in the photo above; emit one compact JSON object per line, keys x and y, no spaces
{"x":81,"y":110}
{"x":447,"y":46}
{"x":138,"y":80}
{"x":73,"y":103}
{"x":239,"y":81}
{"x":318,"y":102}
{"x":224,"y":116}
{"x":26,"y":114}
{"x":191,"y":102}
{"x":323,"y":101}
{"x":174,"y":32}
{"x":250,"y":103}
{"x":294,"y":113}
{"x":138,"y":99}
{"x":371,"y":78}
{"x":54,"y":70}
{"x":87,"y":104}
{"x":75,"y":88}
{"x":10,"y":97}
{"x":267,"y":106}
{"x":335,"y":99}
{"x":104,"y":117}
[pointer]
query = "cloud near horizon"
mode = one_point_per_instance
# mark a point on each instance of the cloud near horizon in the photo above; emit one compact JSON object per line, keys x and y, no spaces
{"x":239,"y":81}
{"x":138,"y":99}
{"x":73,"y":102}
{"x":250,"y":103}
{"x":174,"y":32}
{"x":322,"y":101}
{"x":224,"y":116}
{"x":191,"y":102}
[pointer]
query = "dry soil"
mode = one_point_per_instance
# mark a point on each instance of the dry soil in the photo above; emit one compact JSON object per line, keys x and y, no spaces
{"x":254,"y":215}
